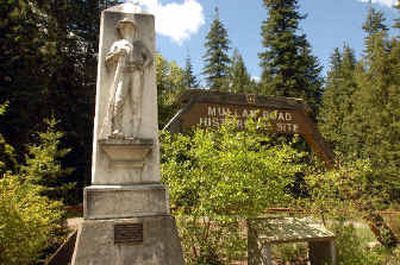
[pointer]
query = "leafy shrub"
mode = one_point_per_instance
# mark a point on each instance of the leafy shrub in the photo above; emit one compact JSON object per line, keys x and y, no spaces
{"x":216,"y":177}
{"x":27,"y":221}
{"x":30,"y":222}
{"x":352,"y":248}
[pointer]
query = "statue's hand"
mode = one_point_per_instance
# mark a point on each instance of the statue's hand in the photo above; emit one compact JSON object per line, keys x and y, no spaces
{"x":125,"y":49}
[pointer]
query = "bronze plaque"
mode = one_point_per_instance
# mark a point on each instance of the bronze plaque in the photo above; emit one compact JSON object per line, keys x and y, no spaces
{"x":128,"y":233}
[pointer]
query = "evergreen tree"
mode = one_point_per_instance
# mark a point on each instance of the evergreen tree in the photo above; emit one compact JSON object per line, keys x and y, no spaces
{"x":336,"y":100}
{"x":375,"y":22}
{"x":217,"y":61}
{"x":360,"y":116}
{"x":49,"y":68}
{"x":43,"y":166}
{"x":190,"y":79}
{"x":288,"y":67}
{"x":374,"y":122}
{"x":240,"y":81}
{"x":23,"y":69}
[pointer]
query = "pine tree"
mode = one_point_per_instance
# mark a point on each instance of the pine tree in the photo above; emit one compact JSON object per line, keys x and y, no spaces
{"x":49,"y":68}
{"x":372,"y":77}
{"x":288,"y":67}
{"x":43,"y":166}
{"x":190,"y":79}
{"x":336,"y":100}
{"x":216,"y":58}
{"x":240,"y":81}
{"x":374,"y":122}
{"x":375,"y":22}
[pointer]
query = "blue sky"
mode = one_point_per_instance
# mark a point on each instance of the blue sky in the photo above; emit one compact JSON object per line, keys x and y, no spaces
{"x":183,"y":24}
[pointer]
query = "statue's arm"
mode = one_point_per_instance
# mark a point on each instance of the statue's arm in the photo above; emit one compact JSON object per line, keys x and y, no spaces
{"x":113,"y":55}
{"x":148,"y":57}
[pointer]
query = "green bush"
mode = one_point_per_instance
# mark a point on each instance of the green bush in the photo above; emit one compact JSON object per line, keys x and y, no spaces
{"x":217,"y":178}
{"x":27,"y":221}
{"x":30,"y":222}
{"x":352,"y":248}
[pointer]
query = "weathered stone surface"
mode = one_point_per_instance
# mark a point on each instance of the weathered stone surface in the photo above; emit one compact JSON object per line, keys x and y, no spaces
{"x":126,"y":209}
{"x":144,"y":105}
{"x":106,"y":201}
{"x":160,"y":243}
{"x":127,"y":161}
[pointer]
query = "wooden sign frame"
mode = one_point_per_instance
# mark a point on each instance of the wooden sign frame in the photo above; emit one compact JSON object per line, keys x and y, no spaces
{"x":205,"y":108}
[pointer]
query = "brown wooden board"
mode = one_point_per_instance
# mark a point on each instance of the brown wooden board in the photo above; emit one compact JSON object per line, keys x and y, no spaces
{"x":205,"y":109}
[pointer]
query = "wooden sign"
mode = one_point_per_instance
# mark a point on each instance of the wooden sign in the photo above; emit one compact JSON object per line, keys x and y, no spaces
{"x":205,"y":109}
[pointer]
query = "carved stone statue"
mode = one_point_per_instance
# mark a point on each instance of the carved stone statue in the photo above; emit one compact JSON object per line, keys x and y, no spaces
{"x":128,"y":58}
{"x":126,"y":211}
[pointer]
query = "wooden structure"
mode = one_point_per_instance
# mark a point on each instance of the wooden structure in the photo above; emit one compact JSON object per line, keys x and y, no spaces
{"x":263,"y":232}
{"x":204,"y":108}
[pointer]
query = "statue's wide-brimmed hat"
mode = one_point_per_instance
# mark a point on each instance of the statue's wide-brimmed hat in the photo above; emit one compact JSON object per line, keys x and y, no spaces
{"x":126,"y":21}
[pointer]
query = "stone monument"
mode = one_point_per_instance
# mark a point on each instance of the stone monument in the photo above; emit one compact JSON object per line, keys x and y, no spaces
{"x":126,"y":212}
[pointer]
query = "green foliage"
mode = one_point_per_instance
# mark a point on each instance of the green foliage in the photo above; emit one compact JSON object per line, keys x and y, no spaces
{"x":350,"y":249}
{"x":361,"y":107}
{"x":28,"y":221}
{"x":218,"y":177}
{"x":7,"y":152}
{"x":170,"y":80}
{"x":337,"y":98}
{"x":43,"y":166}
{"x":375,"y":22}
{"x":190,"y":80}
{"x":48,"y":67}
{"x":352,"y":188}
{"x":289,"y":253}
{"x":336,"y":188}
{"x":288,"y":67}
{"x":240,"y":80}
{"x":217,"y":61}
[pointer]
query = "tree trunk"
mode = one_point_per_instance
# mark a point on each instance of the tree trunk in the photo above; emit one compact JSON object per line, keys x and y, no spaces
{"x":383,"y":233}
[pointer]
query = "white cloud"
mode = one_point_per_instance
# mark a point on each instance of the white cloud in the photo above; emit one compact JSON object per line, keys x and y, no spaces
{"x":256,"y":79}
{"x":176,"y":20}
{"x":389,"y":3}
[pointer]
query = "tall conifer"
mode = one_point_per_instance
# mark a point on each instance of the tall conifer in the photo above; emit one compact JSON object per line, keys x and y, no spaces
{"x":189,"y":79}
{"x":336,"y":100}
{"x":288,"y":67}
{"x":375,"y":22}
{"x":374,"y":125}
{"x":216,"y":57}
{"x":240,"y":81}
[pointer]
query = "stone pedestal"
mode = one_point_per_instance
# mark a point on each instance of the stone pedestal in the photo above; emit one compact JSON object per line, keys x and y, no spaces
{"x":156,"y":244}
{"x":126,"y":212}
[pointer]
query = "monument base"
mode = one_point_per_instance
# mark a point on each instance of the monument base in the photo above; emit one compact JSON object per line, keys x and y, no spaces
{"x":145,"y":240}
{"x":124,"y":201}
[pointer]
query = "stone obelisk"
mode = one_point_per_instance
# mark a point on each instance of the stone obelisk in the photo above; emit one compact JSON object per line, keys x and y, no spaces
{"x":126,"y":212}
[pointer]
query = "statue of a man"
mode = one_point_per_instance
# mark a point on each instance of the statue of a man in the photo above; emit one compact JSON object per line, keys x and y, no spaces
{"x":129,"y":58}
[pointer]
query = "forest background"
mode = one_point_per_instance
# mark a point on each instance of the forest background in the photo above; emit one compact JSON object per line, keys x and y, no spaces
{"x":48,"y":72}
